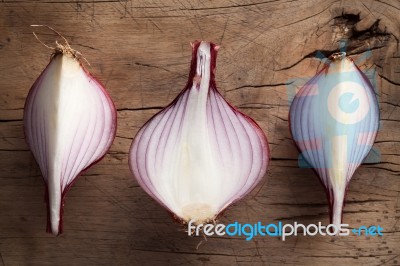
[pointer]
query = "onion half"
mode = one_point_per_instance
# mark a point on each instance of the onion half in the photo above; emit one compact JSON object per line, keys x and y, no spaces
{"x":70,"y":123}
{"x":199,"y":155}
{"x":334,"y":120}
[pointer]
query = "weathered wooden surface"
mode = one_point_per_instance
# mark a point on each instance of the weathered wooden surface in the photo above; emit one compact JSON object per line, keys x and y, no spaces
{"x":140,"y":51}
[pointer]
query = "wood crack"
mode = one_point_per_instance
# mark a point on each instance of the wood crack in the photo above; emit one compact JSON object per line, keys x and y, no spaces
{"x":384,"y":168}
{"x":305,"y":216}
{"x":10,"y":120}
{"x":12,"y":109}
{"x":5,"y":150}
{"x":86,"y":46}
{"x":314,"y":15}
{"x":392,"y":104}
{"x":66,"y":2}
{"x":306,"y":205}
{"x":121,"y":137}
{"x":257,"y":108}
{"x":190,"y":253}
{"x":225,"y":7}
{"x":261,"y":86}
{"x":285,"y":120}
{"x":151,"y":66}
{"x":386,"y":141}
{"x":140,"y":109}
{"x":327,"y":53}
{"x":2,"y":260}
{"x":380,"y":1}
{"x":359,"y":211}
{"x":357,"y":38}
{"x":388,"y":80}
{"x":283,"y":159}
{"x":390,"y":120}
{"x":348,"y":256}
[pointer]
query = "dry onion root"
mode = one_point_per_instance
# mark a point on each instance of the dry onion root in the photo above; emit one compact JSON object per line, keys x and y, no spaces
{"x":70,"y":123}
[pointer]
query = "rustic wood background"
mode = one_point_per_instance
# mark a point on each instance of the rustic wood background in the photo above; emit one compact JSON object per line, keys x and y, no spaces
{"x":140,"y":51}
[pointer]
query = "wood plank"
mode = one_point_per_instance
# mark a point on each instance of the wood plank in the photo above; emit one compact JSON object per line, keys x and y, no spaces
{"x":140,"y":51}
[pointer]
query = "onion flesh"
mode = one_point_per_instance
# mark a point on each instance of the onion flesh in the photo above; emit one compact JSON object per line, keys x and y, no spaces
{"x":69,"y":123}
{"x":199,"y":155}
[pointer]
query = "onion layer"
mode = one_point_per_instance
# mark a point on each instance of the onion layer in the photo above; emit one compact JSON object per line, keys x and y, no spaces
{"x":334,"y":120}
{"x":199,"y":154}
{"x":70,"y":123}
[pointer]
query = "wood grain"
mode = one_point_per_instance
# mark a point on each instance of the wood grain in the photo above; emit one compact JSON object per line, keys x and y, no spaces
{"x":140,"y":51}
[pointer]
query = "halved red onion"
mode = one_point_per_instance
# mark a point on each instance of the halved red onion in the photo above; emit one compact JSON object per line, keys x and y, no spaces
{"x":69,"y":123}
{"x":199,"y":154}
{"x":334,"y":120}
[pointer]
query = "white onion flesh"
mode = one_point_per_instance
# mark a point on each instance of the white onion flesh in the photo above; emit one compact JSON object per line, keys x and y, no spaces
{"x":70,"y":123}
{"x":199,"y":154}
